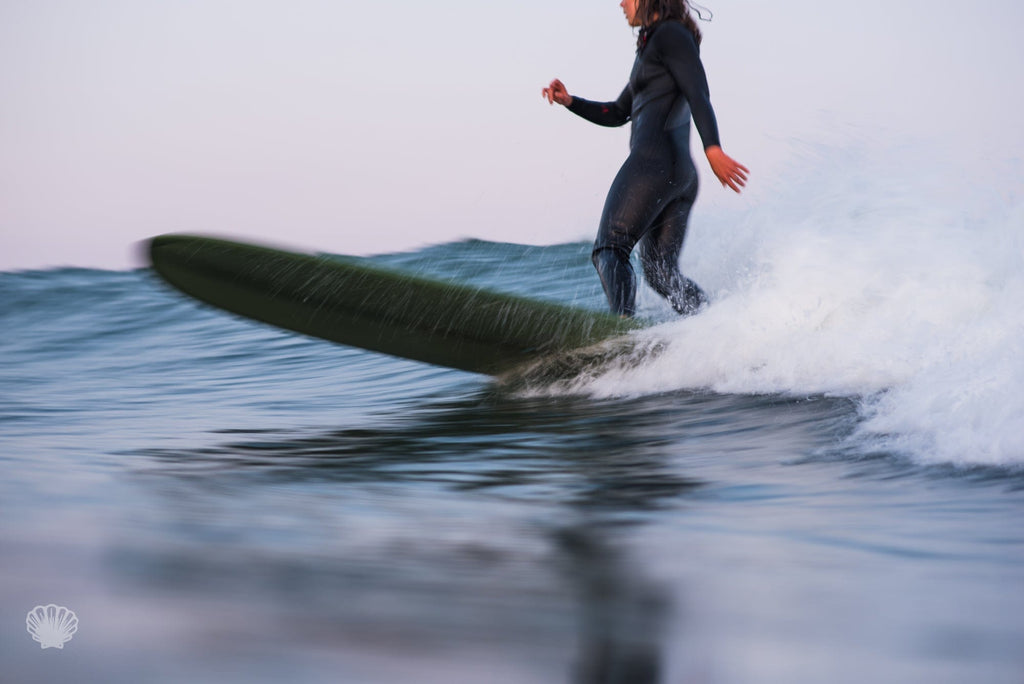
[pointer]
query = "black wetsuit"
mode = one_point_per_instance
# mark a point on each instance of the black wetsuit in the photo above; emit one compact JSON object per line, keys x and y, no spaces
{"x":650,"y":200}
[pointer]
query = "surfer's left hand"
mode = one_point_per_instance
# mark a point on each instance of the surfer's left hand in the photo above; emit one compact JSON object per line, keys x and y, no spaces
{"x":729,"y":171}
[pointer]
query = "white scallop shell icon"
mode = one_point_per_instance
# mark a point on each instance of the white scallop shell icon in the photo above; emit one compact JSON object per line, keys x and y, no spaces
{"x":51,"y":625}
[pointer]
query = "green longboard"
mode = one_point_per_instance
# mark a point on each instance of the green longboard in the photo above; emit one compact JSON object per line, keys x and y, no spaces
{"x":355,"y":303}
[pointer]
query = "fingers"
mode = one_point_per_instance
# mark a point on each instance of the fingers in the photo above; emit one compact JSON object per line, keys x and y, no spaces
{"x":730,"y":173}
{"x":738,"y":177}
{"x":555,"y":92}
{"x":735,"y":180}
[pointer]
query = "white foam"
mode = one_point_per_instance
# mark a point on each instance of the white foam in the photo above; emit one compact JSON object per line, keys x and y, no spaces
{"x":861,"y":279}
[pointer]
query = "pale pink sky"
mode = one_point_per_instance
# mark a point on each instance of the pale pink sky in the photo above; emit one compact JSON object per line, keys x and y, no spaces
{"x":317,"y":124}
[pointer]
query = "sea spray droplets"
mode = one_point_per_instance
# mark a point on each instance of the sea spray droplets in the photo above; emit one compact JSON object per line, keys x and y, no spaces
{"x":891,"y":289}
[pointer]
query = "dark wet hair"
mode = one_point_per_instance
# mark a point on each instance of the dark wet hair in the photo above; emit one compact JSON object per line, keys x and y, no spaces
{"x":649,"y":11}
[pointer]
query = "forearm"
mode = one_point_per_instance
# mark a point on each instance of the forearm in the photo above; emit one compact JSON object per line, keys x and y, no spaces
{"x":600,"y":113}
{"x":705,"y":121}
{"x":612,"y":114}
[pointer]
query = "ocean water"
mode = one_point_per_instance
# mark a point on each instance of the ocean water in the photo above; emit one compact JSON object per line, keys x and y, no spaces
{"x":818,"y":479}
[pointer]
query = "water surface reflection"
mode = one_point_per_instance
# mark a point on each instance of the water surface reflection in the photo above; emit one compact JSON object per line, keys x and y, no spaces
{"x":469,"y":527}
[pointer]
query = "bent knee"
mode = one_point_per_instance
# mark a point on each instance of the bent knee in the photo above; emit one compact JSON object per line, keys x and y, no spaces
{"x":605,"y":254}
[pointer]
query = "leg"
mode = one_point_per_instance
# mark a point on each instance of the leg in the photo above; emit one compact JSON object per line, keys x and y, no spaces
{"x":617,"y":279}
{"x":634,"y":201}
{"x":659,"y":253}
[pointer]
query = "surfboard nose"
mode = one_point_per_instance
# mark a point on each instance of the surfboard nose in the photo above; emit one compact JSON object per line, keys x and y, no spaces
{"x":165,"y":248}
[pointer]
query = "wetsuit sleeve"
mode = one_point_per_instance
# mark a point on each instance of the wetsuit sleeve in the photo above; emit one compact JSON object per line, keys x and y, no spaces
{"x":614,"y":113}
{"x":678,"y":51}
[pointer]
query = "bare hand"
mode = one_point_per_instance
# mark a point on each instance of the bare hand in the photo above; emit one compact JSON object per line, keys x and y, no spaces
{"x":730,"y":172}
{"x":556,"y":92}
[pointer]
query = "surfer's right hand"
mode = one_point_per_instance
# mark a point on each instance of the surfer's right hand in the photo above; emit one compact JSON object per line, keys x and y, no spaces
{"x":556,"y":92}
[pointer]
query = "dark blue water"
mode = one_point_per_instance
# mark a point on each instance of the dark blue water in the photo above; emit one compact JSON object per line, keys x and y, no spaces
{"x":220,"y":501}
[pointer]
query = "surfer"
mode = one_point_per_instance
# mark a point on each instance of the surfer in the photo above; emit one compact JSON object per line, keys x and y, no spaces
{"x":650,"y":199}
